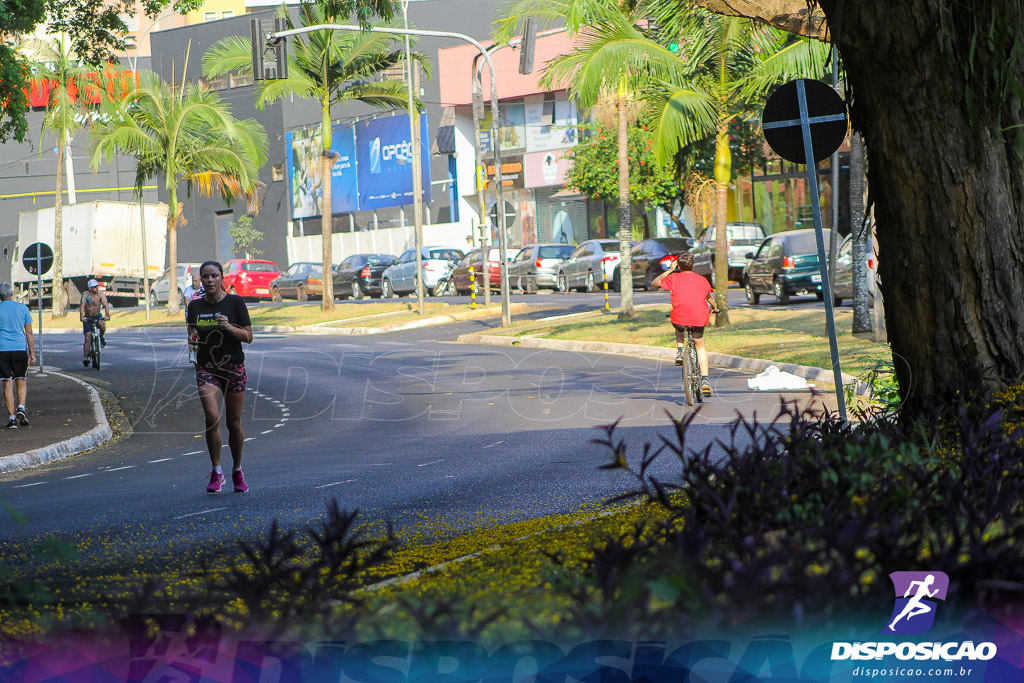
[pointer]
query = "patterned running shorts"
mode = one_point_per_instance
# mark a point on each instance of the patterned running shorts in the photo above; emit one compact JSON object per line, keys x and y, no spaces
{"x":230,"y":377}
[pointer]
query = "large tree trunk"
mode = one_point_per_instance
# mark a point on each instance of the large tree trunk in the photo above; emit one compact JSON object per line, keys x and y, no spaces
{"x":861,"y":303}
{"x":948,"y":188}
{"x":625,"y":215}
{"x":58,"y":303}
{"x":788,"y":15}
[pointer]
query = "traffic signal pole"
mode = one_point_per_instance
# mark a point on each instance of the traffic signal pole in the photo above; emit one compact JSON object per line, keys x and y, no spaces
{"x":495,"y":124}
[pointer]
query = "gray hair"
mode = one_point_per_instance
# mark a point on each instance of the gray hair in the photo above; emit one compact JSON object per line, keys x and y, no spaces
{"x":6,"y":291}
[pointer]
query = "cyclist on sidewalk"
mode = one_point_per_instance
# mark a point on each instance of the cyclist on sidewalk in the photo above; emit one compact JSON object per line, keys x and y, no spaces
{"x":692,"y":298}
{"x":94,"y":302}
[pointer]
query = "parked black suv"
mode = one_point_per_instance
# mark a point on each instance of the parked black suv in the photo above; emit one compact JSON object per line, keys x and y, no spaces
{"x":785,"y":264}
{"x":359,"y":275}
{"x":652,"y":257}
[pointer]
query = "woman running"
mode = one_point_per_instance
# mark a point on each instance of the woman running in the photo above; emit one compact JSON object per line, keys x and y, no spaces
{"x":218,"y":323}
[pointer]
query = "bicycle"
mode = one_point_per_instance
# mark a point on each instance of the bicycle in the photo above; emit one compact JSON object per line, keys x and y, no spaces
{"x":691,"y":371}
{"x":94,"y":351}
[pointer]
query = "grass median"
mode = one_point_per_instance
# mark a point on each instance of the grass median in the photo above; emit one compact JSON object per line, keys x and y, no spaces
{"x":370,"y":315}
{"x":786,"y":335}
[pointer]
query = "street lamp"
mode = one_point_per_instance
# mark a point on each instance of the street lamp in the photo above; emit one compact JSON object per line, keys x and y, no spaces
{"x":417,"y":170}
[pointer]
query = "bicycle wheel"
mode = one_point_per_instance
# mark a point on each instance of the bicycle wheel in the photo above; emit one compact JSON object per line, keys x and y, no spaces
{"x":688,"y":385}
{"x":694,"y":363}
{"x":95,"y":352}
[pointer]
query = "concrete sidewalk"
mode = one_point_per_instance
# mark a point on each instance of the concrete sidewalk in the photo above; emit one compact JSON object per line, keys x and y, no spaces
{"x":65,"y":415}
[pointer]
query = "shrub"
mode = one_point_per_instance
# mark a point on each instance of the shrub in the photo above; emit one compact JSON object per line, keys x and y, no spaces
{"x":803,"y":519}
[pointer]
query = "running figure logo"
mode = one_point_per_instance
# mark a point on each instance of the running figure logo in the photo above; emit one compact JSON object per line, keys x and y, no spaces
{"x":917,"y":594}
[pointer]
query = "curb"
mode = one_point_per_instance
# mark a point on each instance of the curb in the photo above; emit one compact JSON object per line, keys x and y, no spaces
{"x":97,"y":436}
{"x":721,"y":359}
{"x":319,"y":328}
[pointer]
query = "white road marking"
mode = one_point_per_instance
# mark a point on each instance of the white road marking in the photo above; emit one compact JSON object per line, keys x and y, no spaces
{"x":161,"y":460}
{"x":433,"y":462}
{"x":35,"y":483}
{"x":336,"y":483}
{"x":493,"y":444}
{"x":79,"y":476}
{"x":266,"y":431}
{"x":249,"y":438}
{"x":192,"y":453}
{"x":279,"y":424}
{"x":201,"y":512}
{"x":394,"y":343}
{"x":117,"y":469}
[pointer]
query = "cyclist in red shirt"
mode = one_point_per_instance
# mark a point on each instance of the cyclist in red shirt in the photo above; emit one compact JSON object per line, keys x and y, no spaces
{"x":692,"y":301}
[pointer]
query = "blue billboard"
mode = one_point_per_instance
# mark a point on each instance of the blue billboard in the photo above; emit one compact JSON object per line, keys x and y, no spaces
{"x":385,"y":161}
{"x":305,"y":172}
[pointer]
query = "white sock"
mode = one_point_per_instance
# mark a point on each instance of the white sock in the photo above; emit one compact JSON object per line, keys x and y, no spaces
{"x":237,"y":469}
{"x":218,"y":470}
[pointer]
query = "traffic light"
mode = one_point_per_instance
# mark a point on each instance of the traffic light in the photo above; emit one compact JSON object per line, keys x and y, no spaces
{"x":260,"y":45}
{"x":527,"y":48}
{"x":280,"y":46}
{"x":257,"y":45}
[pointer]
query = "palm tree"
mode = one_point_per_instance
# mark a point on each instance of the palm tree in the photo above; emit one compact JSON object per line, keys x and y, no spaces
{"x":612,"y":61}
{"x":187,"y":134}
{"x":331,"y":67}
{"x":64,"y":117}
{"x":730,"y":64}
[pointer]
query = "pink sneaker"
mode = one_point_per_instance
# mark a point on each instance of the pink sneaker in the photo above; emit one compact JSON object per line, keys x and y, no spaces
{"x":216,"y":481}
{"x":239,"y":480}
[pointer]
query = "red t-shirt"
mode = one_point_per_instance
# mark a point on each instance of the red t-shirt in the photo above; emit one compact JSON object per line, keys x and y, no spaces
{"x":689,"y":298}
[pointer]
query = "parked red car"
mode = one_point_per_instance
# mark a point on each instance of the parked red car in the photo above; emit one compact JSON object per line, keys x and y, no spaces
{"x":249,"y":278}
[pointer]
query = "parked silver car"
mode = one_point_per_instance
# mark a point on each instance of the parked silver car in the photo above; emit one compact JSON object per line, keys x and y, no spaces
{"x":401,"y":278}
{"x":536,"y":266}
{"x":592,"y":264}
{"x":160,"y":288}
{"x":844,"y":271}
{"x":743,"y":237}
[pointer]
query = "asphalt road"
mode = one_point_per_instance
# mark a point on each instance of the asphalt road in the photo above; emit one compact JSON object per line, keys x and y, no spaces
{"x":408,"y":427}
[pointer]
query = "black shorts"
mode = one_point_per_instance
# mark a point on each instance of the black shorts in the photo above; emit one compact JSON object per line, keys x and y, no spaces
{"x":695,"y":332}
{"x":13,"y":365}
{"x":91,"y":322}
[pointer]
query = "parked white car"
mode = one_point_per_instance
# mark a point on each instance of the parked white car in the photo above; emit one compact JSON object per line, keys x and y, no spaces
{"x":400,"y":278}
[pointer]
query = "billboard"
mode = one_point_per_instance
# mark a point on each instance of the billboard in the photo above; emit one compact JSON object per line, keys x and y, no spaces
{"x":550,"y":123}
{"x":544,"y":169}
{"x":384,"y":152}
{"x":305,"y":172}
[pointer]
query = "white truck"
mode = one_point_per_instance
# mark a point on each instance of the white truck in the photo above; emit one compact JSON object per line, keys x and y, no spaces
{"x":102,"y":240}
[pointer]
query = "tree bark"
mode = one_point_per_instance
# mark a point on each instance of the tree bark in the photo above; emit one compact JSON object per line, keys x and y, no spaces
{"x":948,"y":188}
{"x":625,"y":214}
{"x":861,"y":303}
{"x":57,"y":299}
{"x":326,"y":230}
{"x":787,"y":15}
{"x":723,"y":171}
{"x":173,"y":216}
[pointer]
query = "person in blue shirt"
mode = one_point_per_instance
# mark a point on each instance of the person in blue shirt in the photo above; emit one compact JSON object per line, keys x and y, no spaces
{"x":17,"y":352}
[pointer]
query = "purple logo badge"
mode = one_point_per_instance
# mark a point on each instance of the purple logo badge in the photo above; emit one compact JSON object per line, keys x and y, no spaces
{"x":917,"y":596}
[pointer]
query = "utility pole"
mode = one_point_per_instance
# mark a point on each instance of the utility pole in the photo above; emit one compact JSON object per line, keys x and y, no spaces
{"x":412,"y":84}
{"x":495,"y":123}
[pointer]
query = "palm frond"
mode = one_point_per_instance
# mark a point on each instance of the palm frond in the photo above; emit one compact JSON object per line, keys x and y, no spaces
{"x":681,"y":115}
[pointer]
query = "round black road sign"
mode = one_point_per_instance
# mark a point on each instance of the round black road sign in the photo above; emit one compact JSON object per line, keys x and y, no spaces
{"x":38,"y":258}
{"x":825,"y":114}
